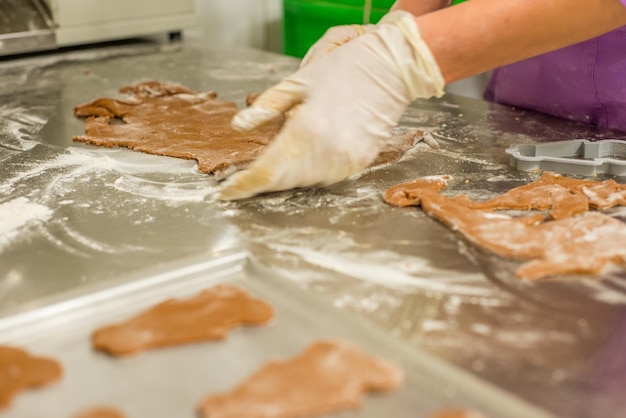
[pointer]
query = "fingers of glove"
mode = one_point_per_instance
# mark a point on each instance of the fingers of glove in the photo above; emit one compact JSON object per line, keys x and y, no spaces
{"x":271,"y":104}
{"x":333,"y":38}
{"x":271,"y":174}
{"x":246,"y":183}
{"x":298,"y":157}
{"x":266,"y":174}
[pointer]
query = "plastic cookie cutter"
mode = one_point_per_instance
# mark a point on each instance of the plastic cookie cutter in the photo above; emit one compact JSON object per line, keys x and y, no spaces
{"x":576,"y":157}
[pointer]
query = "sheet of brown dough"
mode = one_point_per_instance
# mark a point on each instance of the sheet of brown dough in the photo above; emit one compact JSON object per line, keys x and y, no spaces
{"x":207,"y":316}
{"x":101,"y":412}
{"x":581,"y":244}
{"x":19,"y":371}
{"x":165,"y":119}
{"x":328,"y":376}
{"x":171,"y":120}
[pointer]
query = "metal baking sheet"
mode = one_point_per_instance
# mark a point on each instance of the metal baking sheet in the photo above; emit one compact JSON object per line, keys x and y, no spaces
{"x":170,"y":382}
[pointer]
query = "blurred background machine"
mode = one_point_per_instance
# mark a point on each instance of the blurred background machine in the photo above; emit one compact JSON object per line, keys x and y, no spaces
{"x":35,"y":25}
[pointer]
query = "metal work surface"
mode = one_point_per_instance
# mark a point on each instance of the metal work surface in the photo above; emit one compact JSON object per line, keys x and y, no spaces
{"x":76,"y":219}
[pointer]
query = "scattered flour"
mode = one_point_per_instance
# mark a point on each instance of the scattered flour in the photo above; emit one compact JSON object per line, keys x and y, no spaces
{"x":168,"y":179}
{"x":388,"y":269}
{"x":116,"y":182}
{"x":17,"y":124}
{"x":17,"y":214}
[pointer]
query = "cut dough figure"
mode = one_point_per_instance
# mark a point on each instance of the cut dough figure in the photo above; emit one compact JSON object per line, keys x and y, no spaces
{"x":574,"y":242}
{"x":328,"y":376}
{"x":207,"y":316}
{"x":19,"y":371}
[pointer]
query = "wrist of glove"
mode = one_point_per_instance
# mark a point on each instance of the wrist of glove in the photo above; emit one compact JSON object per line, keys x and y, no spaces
{"x":334,"y":37}
{"x":350,"y":100}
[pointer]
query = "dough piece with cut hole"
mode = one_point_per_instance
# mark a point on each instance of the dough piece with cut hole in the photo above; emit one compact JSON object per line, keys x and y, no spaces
{"x":564,"y":196}
{"x":208,"y":316}
{"x":328,"y":376}
{"x":20,"y":370}
{"x":569,"y":244}
{"x":172,"y":120}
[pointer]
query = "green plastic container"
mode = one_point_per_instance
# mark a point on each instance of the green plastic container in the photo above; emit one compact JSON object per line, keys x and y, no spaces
{"x":305,"y":21}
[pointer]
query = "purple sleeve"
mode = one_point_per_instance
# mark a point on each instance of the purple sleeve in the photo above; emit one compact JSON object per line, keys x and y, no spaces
{"x":623,"y":2}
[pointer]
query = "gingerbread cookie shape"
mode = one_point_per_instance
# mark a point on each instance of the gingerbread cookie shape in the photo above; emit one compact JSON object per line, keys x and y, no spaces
{"x":328,"y":376}
{"x":20,"y":370}
{"x":208,"y":316}
{"x":571,"y":241}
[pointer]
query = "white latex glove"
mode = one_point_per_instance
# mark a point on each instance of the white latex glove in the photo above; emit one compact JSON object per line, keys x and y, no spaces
{"x":351,"y":99}
{"x":333,"y":38}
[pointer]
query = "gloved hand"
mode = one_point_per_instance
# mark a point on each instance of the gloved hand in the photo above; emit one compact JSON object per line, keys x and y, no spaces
{"x":351,"y":98}
{"x":333,"y":38}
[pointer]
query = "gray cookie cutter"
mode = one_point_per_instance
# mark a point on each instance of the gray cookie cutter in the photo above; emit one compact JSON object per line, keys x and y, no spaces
{"x":576,"y":157}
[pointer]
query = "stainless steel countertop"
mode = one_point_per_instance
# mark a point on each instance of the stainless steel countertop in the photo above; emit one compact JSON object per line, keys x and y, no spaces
{"x":101,"y":216}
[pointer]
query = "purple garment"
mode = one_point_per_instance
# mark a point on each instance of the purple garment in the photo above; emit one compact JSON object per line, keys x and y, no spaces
{"x":584,"y":82}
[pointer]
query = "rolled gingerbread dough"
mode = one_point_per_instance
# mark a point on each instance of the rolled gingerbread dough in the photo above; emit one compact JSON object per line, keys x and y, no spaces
{"x":172,"y":120}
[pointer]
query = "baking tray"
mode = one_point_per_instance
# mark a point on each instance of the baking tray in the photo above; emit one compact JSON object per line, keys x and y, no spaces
{"x":170,"y":382}
{"x":576,"y":157}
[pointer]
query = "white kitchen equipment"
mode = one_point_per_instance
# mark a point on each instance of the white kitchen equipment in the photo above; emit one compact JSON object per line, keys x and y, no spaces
{"x":30,"y":25}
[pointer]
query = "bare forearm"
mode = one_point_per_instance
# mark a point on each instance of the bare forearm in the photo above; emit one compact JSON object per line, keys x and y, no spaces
{"x":479,"y":35}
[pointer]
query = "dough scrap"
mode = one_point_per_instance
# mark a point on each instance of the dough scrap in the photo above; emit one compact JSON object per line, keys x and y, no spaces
{"x":172,"y":120}
{"x":19,"y":371}
{"x":565,"y":197}
{"x":208,"y":316}
{"x":328,"y":376}
{"x":101,"y":412}
{"x":573,"y":242}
